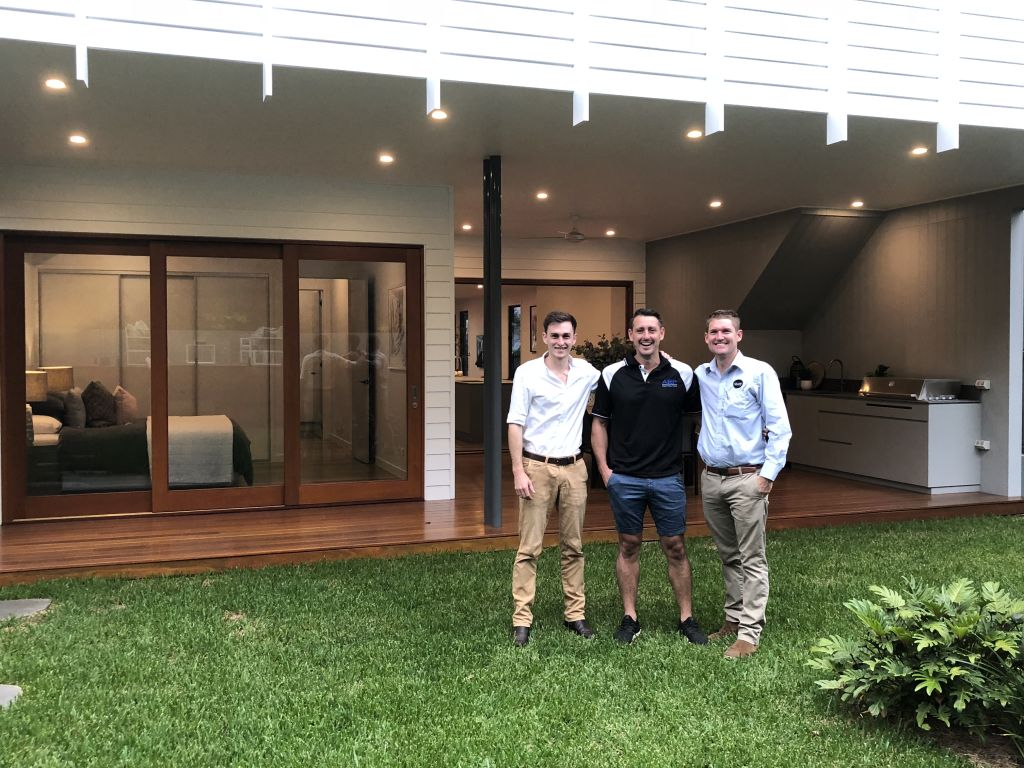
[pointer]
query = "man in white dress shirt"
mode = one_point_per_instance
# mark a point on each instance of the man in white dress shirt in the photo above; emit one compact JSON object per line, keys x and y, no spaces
{"x":545,"y":434}
{"x":744,"y":437}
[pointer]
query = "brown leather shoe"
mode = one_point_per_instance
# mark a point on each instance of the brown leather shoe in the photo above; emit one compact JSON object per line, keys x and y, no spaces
{"x":739,"y":649}
{"x":728,"y":629}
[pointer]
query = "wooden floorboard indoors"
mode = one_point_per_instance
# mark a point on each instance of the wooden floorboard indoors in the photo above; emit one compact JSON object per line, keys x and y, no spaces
{"x":186,"y":543}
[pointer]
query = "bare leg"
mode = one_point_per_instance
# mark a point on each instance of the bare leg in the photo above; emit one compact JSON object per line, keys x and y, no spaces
{"x":679,"y":573}
{"x":627,"y":570}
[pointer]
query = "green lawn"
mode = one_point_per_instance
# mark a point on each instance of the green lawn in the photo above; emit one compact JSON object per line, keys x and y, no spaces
{"x":409,"y":662}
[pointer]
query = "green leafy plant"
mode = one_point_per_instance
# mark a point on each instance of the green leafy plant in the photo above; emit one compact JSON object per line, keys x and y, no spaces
{"x":928,"y":655}
{"x":605,"y":351}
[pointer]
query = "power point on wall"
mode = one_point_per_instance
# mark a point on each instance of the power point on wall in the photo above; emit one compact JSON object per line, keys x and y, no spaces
{"x":982,"y":445}
{"x":983,"y":383}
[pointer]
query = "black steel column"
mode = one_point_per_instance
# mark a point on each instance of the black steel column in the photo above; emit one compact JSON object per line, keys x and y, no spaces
{"x":493,"y":417}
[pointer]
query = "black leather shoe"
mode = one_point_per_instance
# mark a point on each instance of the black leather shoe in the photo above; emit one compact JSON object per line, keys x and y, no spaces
{"x":520,"y":636}
{"x":580,"y":627}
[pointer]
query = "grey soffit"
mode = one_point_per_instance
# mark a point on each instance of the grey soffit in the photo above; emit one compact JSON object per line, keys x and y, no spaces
{"x":11,"y":609}
{"x":805,"y":268}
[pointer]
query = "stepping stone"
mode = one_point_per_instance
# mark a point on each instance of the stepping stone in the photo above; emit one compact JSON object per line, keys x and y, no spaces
{"x":8,"y":693}
{"x":10,"y":609}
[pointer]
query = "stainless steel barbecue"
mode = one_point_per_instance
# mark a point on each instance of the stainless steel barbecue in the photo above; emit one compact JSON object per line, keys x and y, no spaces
{"x":927,"y":390}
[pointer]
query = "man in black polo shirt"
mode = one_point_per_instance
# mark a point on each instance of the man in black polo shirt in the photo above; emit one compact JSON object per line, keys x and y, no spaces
{"x":637,"y":440}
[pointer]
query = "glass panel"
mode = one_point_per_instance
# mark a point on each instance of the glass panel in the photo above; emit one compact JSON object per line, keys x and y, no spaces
{"x":352,"y":377}
{"x":224,"y":370}
{"x":87,"y":326}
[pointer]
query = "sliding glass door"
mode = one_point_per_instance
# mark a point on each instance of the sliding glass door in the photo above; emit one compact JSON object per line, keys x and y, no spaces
{"x":146,"y":376}
{"x":225,"y":381}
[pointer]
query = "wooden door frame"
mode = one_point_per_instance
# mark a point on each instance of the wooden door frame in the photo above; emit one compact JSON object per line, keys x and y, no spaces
{"x":363,"y":490}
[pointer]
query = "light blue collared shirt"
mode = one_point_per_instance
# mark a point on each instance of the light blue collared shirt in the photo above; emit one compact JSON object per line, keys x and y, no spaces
{"x":738,"y":407}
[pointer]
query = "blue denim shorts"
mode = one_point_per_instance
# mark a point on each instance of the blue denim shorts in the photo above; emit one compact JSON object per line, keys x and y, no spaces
{"x":631,"y":496}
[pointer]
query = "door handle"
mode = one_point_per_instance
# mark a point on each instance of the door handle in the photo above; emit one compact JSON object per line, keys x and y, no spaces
{"x":364,"y":381}
{"x":415,"y":396}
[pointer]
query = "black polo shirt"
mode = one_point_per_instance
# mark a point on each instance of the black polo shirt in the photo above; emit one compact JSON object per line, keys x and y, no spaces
{"x":644,"y":417}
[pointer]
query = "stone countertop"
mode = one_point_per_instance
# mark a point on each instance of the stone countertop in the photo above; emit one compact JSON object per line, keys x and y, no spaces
{"x":835,"y":395}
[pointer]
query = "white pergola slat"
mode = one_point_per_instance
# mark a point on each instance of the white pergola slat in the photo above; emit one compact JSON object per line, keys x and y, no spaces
{"x":948,"y":62}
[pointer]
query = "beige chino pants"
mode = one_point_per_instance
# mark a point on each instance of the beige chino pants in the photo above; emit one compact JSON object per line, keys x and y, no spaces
{"x":569,"y":485}
{"x":736,"y":512}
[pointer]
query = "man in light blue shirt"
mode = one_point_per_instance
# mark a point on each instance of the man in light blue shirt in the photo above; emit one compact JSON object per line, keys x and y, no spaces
{"x":744,"y":437}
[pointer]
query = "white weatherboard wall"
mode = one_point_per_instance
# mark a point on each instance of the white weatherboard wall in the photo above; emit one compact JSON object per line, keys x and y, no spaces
{"x":557,"y":259}
{"x":201,"y":205}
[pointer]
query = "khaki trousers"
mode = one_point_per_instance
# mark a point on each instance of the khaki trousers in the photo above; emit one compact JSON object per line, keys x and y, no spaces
{"x":569,"y":486}
{"x":736,"y":512}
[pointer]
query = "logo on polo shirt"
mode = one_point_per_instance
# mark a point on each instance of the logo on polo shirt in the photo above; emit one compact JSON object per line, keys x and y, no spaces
{"x":670,"y":383}
{"x":737,"y":384}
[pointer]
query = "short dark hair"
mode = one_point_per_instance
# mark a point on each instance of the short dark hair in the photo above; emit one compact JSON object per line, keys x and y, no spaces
{"x":646,"y":312}
{"x":723,"y":313}
{"x":556,"y":317}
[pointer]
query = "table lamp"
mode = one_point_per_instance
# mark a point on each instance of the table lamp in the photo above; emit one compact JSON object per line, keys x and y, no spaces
{"x":35,"y":386}
{"x":60,"y":378}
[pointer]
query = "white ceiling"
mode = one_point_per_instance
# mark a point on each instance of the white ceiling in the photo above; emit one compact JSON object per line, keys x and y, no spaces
{"x":629,"y":168}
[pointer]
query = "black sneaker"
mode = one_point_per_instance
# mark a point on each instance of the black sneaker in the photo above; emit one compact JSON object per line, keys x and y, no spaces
{"x":691,"y":630}
{"x":628,"y":630}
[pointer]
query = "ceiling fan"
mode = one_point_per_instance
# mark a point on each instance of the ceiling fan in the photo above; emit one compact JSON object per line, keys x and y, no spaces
{"x":573,"y":235}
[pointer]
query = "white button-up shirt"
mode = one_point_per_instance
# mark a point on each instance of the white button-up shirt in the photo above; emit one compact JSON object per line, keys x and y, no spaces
{"x":738,"y":407}
{"x":549,"y":410}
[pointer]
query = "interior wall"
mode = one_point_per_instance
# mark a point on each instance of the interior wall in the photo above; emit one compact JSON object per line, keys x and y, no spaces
{"x":930,"y":295}
{"x":597,"y":309}
{"x":118,"y":201}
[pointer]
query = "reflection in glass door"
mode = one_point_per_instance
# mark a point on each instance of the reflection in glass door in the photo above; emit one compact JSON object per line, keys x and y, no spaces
{"x":352,"y":373}
{"x":224,"y":372}
{"x":358,"y":395}
{"x":311,"y":374}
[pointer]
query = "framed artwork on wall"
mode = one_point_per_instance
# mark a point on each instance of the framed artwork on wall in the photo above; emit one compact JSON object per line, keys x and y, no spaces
{"x":533,"y":327}
{"x":396,"y":328}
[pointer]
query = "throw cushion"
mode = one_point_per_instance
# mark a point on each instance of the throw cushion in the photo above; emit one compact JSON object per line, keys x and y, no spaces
{"x":74,"y":414}
{"x":100,"y":406}
{"x":127,"y":405}
{"x":45,"y":425}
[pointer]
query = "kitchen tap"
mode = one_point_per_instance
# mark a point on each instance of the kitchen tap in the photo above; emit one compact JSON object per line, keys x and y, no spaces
{"x":842,"y":378}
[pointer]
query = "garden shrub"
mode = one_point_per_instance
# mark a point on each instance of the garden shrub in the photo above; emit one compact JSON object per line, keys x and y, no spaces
{"x":949,"y":655}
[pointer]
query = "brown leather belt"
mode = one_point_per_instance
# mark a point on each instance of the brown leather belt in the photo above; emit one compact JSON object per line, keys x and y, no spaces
{"x":733,"y":471}
{"x":558,"y":461}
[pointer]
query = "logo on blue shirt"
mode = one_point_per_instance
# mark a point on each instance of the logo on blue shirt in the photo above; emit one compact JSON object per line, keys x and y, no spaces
{"x":670,"y":383}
